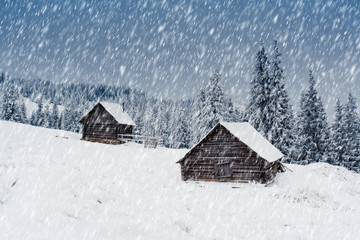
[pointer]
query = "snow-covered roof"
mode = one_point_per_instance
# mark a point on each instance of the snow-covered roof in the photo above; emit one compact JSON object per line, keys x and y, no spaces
{"x":254,"y":140}
{"x":118,"y":113}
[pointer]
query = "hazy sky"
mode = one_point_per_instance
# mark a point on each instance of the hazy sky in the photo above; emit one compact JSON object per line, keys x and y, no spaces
{"x":167,"y":48}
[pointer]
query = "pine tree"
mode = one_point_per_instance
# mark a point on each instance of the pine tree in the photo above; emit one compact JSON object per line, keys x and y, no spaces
{"x":162,"y":121}
{"x":215,"y":100}
{"x":60,"y":124}
{"x":67,"y":120}
{"x":40,"y":116}
{"x":209,"y":107}
{"x":230,"y":115}
{"x":71,"y":117}
{"x":23,"y":113}
{"x":269,"y":110}
{"x":337,"y":137}
{"x":280,"y":118}
{"x":33,"y":119}
{"x":198,"y":125}
{"x":299,"y":155}
{"x":313,"y":136}
{"x":149,"y":119}
{"x":352,"y":134}
{"x":256,"y":113}
{"x":10,"y":110}
{"x":47,"y":116}
{"x":180,"y":134}
{"x":54,"y":117}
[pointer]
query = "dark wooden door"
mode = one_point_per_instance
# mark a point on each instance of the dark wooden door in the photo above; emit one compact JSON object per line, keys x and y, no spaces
{"x":223,"y":170}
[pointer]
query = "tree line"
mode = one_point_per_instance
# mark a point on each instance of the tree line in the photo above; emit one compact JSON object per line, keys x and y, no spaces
{"x":303,"y":137}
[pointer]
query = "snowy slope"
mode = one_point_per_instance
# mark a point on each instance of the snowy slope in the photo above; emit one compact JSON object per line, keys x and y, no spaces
{"x":32,"y":106}
{"x":54,"y":186}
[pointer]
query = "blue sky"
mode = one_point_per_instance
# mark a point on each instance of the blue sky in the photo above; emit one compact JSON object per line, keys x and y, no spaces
{"x":168,"y":48}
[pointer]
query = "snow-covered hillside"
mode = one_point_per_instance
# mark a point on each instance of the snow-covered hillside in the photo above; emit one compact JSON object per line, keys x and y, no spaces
{"x":54,"y":186}
{"x":33,"y":107}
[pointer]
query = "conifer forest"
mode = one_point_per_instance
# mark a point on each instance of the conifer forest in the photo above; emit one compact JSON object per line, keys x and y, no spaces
{"x":303,"y":136}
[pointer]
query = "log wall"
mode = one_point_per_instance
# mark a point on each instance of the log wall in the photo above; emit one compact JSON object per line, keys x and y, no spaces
{"x":220,"y":146}
{"x":99,"y":124}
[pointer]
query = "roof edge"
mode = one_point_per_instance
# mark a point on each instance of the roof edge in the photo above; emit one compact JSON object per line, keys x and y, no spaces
{"x":221,"y":123}
{"x":280,"y":158}
{"x":202,"y":139}
{"x":132,"y":121}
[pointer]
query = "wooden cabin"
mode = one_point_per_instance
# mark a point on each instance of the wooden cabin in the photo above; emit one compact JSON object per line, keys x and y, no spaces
{"x":105,"y":122}
{"x":233,"y":152}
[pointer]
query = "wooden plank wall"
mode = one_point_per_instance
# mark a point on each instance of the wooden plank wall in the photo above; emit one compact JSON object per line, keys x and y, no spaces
{"x":101,"y":125}
{"x":271,"y":171}
{"x":221,"y":146}
{"x":98,"y":130}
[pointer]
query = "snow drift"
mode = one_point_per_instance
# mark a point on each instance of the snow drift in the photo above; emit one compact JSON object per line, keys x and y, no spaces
{"x":54,"y":186}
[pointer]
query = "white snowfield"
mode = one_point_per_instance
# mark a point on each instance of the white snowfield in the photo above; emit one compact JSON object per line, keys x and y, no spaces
{"x":54,"y":186}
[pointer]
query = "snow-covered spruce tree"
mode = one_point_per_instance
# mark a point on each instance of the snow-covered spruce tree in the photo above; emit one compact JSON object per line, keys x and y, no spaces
{"x":162,"y":121}
{"x":47,"y":116}
{"x":301,"y":144}
{"x":313,"y":134}
{"x":33,"y":118}
{"x":138,"y":104}
{"x":337,"y":140}
{"x":209,"y":107}
{"x":40,"y":115}
{"x":77,"y":114}
{"x":23,"y":113}
{"x":256,"y":113}
{"x":180,"y":134}
{"x":54,"y":116}
{"x":198,"y":125}
{"x":280,"y":118}
{"x":66,"y":121}
{"x":230,"y":114}
{"x":10,"y":110}
{"x":148,"y":128}
{"x":351,"y":135}
{"x":269,"y":110}
{"x":60,"y":124}
{"x":215,"y":101}
{"x":70,"y":119}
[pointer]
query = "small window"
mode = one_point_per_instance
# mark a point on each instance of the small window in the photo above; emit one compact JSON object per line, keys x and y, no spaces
{"x":223,"y":170}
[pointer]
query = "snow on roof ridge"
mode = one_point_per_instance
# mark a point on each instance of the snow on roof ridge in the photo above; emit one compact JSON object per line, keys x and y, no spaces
{"x":118,"y":113}
{"x":247,"y":134}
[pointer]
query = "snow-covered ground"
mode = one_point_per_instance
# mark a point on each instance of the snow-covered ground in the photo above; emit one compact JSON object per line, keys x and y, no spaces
{"x":54,"y":186}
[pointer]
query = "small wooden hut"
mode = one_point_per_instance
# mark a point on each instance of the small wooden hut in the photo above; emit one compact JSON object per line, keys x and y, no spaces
{"x":105,"y":122}
{"x":233,"y":152}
